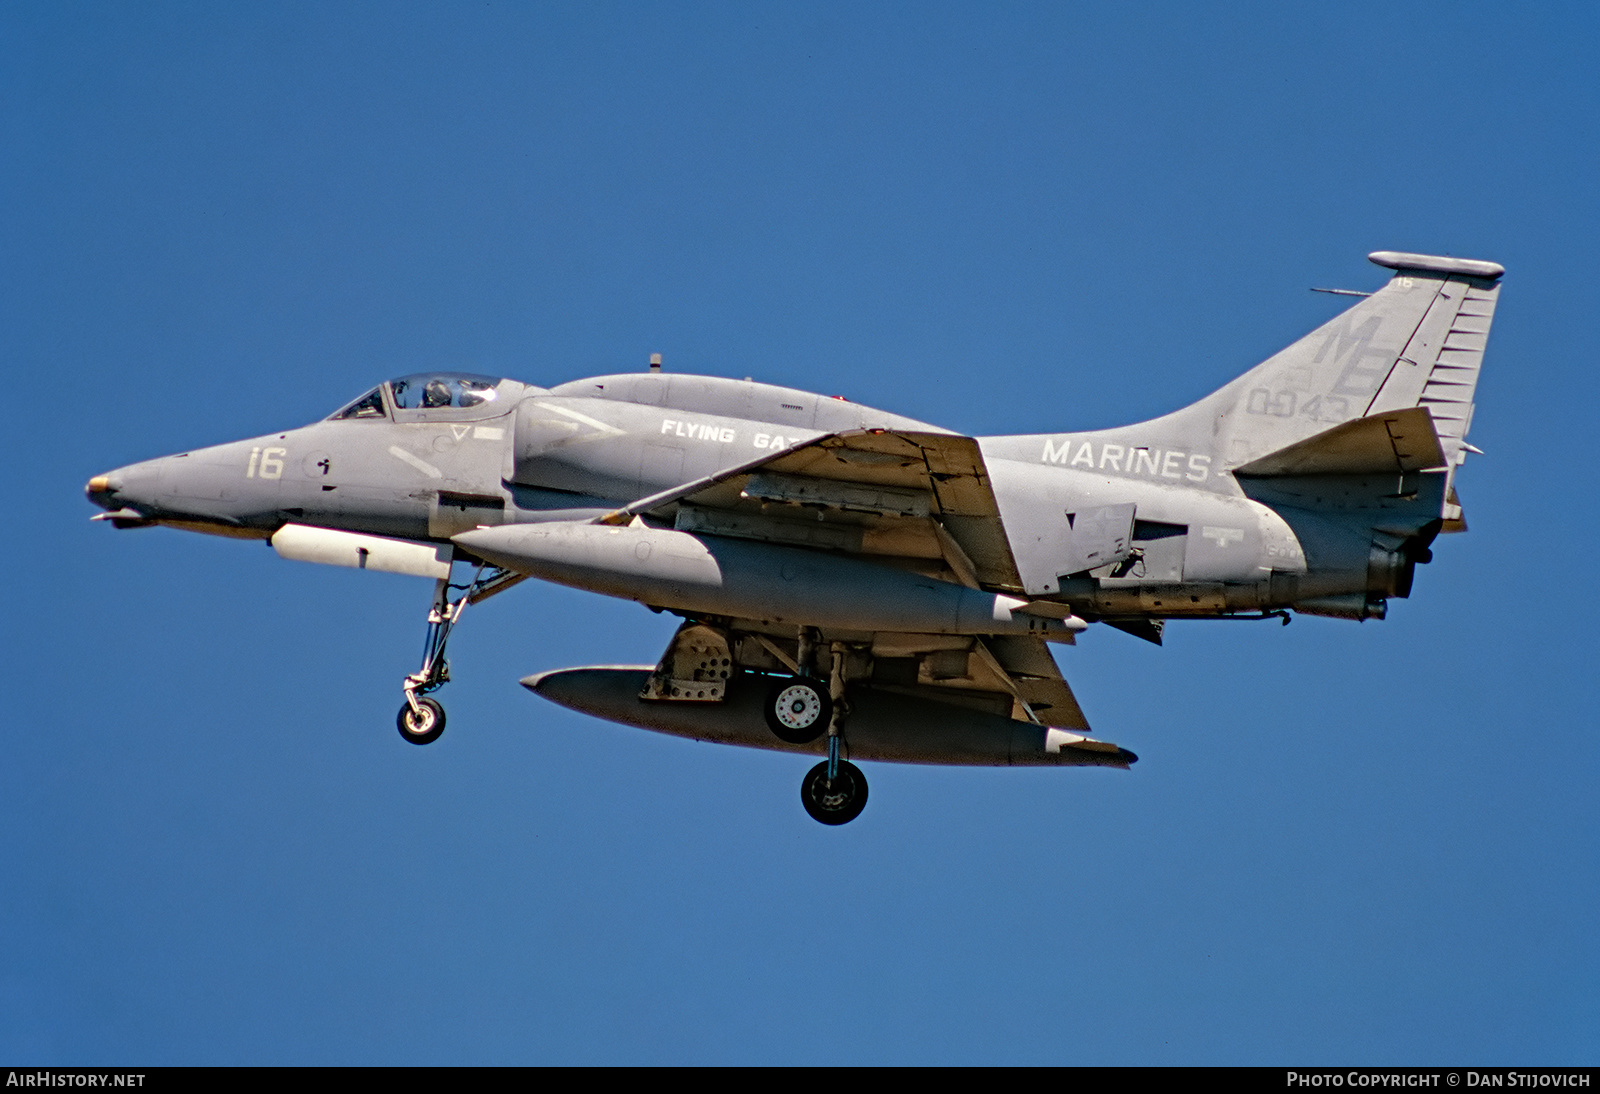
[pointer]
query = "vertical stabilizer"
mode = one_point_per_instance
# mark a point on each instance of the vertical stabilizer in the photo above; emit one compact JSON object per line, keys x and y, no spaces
{"x":1417,"y":342}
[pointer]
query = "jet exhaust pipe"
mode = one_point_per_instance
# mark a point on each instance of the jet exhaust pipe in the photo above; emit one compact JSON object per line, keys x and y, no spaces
{"x":718,"y":575}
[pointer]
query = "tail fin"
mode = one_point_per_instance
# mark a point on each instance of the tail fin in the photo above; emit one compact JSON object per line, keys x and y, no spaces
{"x":1417,"y":342}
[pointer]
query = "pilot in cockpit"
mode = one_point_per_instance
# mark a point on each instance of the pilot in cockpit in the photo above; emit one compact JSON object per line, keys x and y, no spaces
{"x":436,"y":393}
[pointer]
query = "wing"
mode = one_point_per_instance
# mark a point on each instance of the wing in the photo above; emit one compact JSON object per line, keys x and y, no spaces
{"x":910,"y":499}
{"x":922,"y":498}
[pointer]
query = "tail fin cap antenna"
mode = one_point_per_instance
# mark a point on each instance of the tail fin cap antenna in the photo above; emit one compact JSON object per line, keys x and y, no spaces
{"x":1468,"y":267}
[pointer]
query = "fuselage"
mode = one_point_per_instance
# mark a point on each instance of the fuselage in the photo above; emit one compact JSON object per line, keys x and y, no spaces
{"x":428,"y":457}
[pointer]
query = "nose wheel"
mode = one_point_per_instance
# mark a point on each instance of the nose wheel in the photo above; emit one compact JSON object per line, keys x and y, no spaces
{"x":421,"y":722}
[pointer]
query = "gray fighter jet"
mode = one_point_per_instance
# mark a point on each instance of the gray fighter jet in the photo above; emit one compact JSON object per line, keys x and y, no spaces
{"x":858,"y":585}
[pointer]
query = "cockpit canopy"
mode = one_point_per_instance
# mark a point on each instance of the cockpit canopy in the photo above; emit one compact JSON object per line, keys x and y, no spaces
{"x":427,"y":391}
{"x":432,"y":391}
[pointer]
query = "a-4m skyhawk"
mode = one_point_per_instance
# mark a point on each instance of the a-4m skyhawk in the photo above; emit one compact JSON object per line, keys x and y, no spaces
{"x":854,"y":583}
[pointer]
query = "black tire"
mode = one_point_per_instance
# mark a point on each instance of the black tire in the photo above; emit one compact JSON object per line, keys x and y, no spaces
{"x":422,"y":730}
{"x":798,"y":710}
{"x":840,"y":803}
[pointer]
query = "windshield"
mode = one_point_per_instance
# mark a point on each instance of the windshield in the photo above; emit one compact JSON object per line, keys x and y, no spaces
{"x":369,"y":405}
{"x":429,"y":391}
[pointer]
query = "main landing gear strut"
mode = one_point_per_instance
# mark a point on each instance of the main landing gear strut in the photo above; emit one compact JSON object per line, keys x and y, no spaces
{"x":835,"y":791}
{"x":421,"y":719}
{"x":799,"y":708}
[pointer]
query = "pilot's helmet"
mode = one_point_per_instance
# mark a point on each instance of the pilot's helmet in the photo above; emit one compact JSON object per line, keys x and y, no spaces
{"x":436,"y":393}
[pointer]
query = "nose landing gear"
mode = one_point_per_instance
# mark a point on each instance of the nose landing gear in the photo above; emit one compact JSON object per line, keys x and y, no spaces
{"x":421,"y":720}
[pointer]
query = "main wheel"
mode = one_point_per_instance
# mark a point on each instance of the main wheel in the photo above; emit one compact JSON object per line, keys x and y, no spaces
{"x":798,"y":710}
{"x":839,"y":803}
{"x":421,"y":728}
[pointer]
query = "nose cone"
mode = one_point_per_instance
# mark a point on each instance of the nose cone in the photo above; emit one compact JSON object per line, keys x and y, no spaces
{"x":222,"y":489}
{"x":128,"y":492}
{"x":102,"y":490}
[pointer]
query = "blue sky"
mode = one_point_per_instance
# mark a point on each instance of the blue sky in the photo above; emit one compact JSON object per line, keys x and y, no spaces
{"x":1371,"y":843}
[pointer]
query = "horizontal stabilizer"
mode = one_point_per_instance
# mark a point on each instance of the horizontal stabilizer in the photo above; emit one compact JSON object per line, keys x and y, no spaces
{"x":1392,"y":442}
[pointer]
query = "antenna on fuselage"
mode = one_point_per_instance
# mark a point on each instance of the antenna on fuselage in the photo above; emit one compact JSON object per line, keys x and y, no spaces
{"x":655,"y":362}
